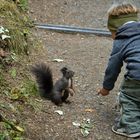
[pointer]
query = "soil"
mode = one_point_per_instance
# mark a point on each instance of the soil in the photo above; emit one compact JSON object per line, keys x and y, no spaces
{"x":87,"y":55}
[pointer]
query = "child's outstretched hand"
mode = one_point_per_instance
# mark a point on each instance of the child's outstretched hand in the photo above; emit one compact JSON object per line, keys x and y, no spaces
{"x":103,"y":92}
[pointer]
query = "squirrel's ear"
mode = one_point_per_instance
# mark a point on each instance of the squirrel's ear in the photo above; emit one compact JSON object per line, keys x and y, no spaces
{"x":63,"y":70}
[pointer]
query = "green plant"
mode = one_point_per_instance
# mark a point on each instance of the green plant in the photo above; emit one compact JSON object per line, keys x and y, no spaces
{"x":3,"y":82}
{"x":23,"y":92}
{"x":3,"y":136}
{"x":13,"y":72}
{"x":23,"y":4}
{"x":30,"y":87}
{"x":11,"y":130}
{"x":18,"y":25}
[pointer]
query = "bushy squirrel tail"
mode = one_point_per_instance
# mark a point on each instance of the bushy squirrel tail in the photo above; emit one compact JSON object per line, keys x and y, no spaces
{"x":43,"y":75}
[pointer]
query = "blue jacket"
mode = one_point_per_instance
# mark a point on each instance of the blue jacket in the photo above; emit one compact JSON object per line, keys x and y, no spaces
{"x":126,"y":48}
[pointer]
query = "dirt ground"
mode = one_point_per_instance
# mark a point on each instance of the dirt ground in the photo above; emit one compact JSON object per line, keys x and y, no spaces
{"x":87,"y":55}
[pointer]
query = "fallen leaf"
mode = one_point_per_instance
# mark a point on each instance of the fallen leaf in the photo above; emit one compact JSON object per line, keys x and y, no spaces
{"x":84,"y":132}
{"x":86,"y":127}
{"x":59,"y":112}
{"x":2,"y":53}
{"x":1,"y":30}
{"x":89,"y":110}
{"x":20,"y":129}
{"x":15,"y":94}
{"x":76,"y":124}
{"x":57,"y":60}
{"x":5,"y":36}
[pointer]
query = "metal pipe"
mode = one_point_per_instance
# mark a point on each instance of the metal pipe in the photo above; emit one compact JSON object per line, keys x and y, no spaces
{"x":72,"y":29}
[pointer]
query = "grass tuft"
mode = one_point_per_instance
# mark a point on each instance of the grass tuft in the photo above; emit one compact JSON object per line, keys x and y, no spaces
{"x":18,"y":25}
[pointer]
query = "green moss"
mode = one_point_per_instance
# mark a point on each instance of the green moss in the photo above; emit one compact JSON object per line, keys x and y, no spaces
{"x":18,"y":25}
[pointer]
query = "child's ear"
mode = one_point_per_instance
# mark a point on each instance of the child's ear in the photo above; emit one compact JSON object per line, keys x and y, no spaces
{"x":63,"y":70}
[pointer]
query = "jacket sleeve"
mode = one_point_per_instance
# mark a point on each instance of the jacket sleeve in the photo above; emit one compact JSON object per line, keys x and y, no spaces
{"x":114,"y":67}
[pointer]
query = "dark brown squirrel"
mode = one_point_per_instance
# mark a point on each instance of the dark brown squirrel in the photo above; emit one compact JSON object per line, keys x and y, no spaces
{"x":58,"y":92}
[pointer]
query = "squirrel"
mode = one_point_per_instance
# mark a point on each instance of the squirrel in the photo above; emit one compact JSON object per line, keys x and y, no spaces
{"x":58,"y":92}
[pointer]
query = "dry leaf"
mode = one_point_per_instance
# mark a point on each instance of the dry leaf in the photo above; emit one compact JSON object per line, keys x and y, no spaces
{"x":89,"y":110}
{"x":2,"y":53}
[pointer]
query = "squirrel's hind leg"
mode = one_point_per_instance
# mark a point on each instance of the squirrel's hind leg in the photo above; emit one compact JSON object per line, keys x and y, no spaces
{"x":57,"y":99}
{"x":65,"y":96}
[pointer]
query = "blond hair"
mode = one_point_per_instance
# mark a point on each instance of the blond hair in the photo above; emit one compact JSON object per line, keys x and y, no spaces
{"x":122,"y":9}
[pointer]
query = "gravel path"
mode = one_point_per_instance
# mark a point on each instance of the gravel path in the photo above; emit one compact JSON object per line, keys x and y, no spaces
{"x":87,"y":55}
